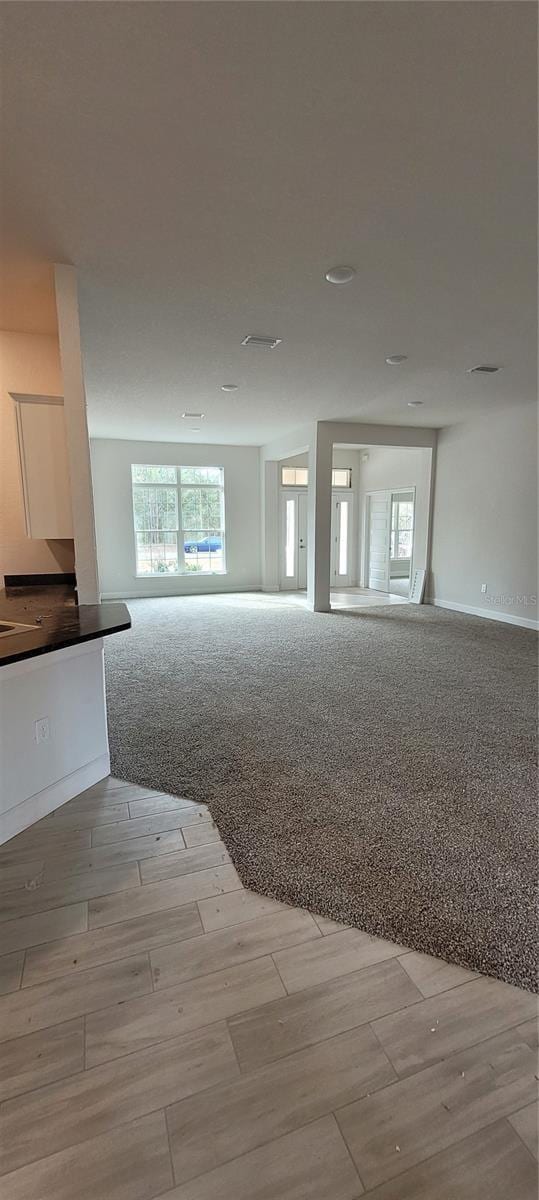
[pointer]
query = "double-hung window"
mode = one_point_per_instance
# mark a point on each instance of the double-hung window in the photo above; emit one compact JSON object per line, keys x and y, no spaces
{"x":402,"y":528}
{"x":179,"y":520}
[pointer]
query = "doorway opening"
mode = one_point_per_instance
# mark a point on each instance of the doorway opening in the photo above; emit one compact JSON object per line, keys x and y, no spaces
{"x":389,"y":541}
{"x":294,"y":538}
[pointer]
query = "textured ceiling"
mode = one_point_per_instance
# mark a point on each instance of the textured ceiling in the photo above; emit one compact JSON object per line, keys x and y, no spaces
{"x":203,"y":164}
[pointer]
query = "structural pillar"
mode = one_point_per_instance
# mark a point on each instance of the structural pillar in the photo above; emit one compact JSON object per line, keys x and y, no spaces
{"x":319,"y":519}
{"x":270,"y":526}
{"x":78,"y":442}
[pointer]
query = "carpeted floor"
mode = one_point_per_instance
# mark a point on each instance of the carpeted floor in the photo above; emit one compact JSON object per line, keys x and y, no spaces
{"x":377,"y":767}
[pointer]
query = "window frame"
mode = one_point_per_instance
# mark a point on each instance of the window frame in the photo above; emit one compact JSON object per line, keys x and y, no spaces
{"x":341,"y":486}
{"x":181,"y":532}
{"x":396,"y":529}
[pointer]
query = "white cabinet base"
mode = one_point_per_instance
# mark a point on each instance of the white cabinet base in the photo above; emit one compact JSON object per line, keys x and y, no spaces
{"x":66,"y":690}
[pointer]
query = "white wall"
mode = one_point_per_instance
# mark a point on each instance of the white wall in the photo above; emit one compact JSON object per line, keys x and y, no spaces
{"x":28,"y":363}
{"x":485,"y":514}
{"x":111,"y":472}
{"x":398,"y":468}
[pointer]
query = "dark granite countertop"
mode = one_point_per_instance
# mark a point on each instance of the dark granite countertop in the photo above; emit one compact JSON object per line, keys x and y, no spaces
{"x":58,"y":621}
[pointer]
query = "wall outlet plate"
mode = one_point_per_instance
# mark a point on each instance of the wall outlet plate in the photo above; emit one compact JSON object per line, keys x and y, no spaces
{"x":483,"y":588}
{"x":42,"y":731}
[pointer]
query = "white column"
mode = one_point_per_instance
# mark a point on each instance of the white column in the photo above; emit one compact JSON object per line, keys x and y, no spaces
{"x":270,"y":525}
{"x":319,"y":535}
{"x":78,"y":444}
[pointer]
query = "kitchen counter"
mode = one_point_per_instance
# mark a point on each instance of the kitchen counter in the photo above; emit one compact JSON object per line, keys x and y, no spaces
{"x":58,"y":620}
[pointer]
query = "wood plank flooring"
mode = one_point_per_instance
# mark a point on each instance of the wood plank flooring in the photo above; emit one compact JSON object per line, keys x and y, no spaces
{"x":164,"y":1033}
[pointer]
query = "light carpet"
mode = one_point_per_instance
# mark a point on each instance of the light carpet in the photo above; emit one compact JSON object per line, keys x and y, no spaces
{"x":377,"y":767}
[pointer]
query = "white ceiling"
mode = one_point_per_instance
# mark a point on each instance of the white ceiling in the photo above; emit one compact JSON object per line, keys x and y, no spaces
{"x":203,"y":165}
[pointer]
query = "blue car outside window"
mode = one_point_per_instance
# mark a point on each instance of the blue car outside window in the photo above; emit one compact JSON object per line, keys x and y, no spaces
{"x":203,"y":545}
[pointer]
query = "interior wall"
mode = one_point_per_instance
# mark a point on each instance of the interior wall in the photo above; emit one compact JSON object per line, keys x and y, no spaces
{"x":398,"y":468}
{"x":29,"y":362}
{"x":111,"y":473}
{"x":485,"y":514}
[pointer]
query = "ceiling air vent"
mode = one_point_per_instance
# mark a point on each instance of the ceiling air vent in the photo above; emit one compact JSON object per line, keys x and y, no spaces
{"x":264,"y":343}
{"x":483,"y":369}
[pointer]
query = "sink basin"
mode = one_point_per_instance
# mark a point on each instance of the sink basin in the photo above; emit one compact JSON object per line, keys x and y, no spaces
{"x":10,"y":627}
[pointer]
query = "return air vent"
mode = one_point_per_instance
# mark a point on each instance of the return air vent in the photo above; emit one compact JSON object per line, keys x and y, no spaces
{"x":483,"y":369}
{"x":260,"y":340}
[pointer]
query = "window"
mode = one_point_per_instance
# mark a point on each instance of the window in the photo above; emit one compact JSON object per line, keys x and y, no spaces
{"x":343,"y":537}
{"x":402,"y":528}
{"x":341,"y":477}
{"x":294,"y":476}
{"x":290,"y":540}
{"x":179,"y":519}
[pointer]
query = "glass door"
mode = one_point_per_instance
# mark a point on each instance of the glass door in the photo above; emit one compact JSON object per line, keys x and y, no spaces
{"x":294,"y":540}
{"x":302,"y":540}
{"x":341,"y":513}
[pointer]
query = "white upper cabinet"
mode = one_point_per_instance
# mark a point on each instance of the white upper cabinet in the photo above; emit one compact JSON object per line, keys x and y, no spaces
{"x":44,"y":466}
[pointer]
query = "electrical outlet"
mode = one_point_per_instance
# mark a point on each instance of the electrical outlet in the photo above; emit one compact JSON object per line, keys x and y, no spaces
{"x":42,"y":731}
{"x":483,"y":588}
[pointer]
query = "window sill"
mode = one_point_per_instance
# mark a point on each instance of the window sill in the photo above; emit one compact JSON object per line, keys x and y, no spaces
{"x":180,"y":574}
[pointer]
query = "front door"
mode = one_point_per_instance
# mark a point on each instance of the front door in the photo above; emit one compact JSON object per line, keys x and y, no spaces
{"x":294,"y":540}
{"x":302,"y":540}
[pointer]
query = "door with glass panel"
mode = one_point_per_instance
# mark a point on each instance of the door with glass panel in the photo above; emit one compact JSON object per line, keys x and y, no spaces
{"x":341,"y":513}
{"x":294,"y":540}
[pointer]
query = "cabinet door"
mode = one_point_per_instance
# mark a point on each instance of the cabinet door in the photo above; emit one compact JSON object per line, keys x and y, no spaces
{"x":44,"y":467}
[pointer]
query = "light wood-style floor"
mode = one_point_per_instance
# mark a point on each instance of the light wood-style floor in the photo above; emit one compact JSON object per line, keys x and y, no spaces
{"x":166,"y":1033}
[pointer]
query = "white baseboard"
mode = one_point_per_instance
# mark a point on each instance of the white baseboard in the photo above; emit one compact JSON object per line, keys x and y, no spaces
{"x":161,"y":595}
{"x":22,"y":815}
{"x":489,"y":614}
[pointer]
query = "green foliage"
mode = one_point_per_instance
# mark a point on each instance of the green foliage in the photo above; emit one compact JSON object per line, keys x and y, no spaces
{"x":202,"y":475}
{"x":155,"y":508}
{"x":151,"y":474}
{"x":201,"y":508}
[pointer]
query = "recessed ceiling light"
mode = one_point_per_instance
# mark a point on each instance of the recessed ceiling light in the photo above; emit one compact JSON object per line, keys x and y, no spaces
{"x":414,"y":403}
{"x":193,"y":416}
{"x":340,"y":274}
{"x":229,"y":387}
{"x":394,"y":360}
{"x":483,"y":369}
